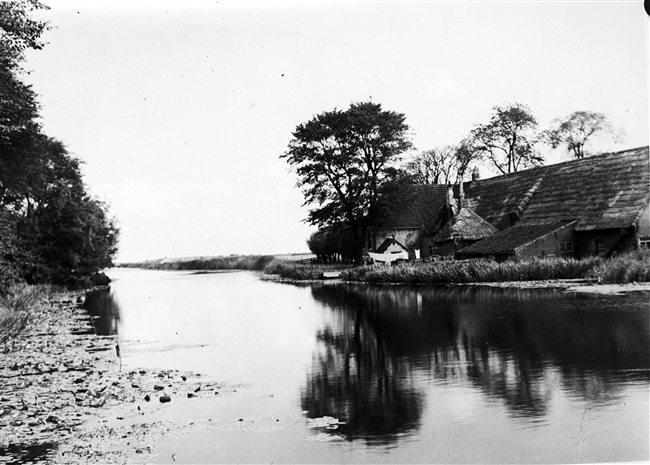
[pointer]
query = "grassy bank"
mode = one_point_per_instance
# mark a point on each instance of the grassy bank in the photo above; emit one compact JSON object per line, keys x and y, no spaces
{"x":285,"y":267}
{"x":623,"y":269}
{"x":632,"y":267}
{"x":298,"y":271}
{"x":16,"y":305}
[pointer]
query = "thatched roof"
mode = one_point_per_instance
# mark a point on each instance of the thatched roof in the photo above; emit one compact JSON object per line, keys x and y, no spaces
{"x":601,"y":192}
{"x":465,"y":225}
{"x":505,"y":242}
{"x":416,"y":207}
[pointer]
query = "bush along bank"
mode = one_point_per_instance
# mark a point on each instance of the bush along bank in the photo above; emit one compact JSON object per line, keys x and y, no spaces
{"x":295,"y":271}
{"x":16,"y":304}
{"x":626,"y":268}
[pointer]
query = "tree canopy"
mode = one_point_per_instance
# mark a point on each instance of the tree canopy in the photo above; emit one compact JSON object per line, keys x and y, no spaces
{"x":344,"y":159}
{"x":442,"y":165}
{"x":52,"y":229}
{"x":577,"y":130}
{"x":507,"y":140}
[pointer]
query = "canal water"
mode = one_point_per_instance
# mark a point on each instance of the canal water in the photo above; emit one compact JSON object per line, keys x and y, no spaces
{"x":340,"y":373}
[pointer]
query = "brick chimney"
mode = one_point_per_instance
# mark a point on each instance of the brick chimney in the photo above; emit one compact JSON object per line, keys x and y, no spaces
{"x":475,"y":174}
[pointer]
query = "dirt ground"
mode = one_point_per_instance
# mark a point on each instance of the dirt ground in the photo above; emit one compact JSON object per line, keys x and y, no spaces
{"x":65,"y":399}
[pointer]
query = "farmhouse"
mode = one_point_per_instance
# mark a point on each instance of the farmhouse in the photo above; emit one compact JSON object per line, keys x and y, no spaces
{"x":410,"y":224}
{"x":592,"y":206}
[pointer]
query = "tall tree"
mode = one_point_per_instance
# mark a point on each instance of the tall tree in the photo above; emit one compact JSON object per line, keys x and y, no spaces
{"x":508,"y":140}
{"x":434,"y":166}
{"x":18,"y":105}
{"x":577,"y":130}
{"x":19,"y":31}
{"x":65,"y":233}
{"x":442,"y":165}
{"x":343,"y":160}
{"x":51,"y":229}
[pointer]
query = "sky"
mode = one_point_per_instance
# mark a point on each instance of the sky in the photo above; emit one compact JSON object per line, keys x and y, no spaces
{"x":180,"y":110}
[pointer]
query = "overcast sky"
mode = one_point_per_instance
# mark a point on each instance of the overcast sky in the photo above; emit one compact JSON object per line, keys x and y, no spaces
{"x":179,"y":110}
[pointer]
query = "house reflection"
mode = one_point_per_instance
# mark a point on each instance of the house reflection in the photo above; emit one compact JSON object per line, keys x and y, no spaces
{"x":515,"y":346}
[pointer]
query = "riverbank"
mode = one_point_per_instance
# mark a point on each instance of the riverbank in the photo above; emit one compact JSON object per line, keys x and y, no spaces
{"x":65,"y":397}
{"x":586,"y":286}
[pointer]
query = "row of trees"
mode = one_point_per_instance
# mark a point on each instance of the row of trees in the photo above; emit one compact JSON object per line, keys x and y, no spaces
{"x":350,"y":163}
{"x":51,"y":229}
{"x":508,"y":144}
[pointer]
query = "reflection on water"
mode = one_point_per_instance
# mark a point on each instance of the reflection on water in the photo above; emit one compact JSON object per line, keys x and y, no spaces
{"x":515,"y":346}
{"x":413,"y":374}
{"x":104,"y":312}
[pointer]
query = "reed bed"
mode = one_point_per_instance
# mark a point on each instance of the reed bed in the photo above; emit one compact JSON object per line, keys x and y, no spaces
{"x":23,"y":297}
{"x":631,"y":267}
{"x":627,"y":268}
{"x":16,"y":305}
{"x":289,"y":270}
{"x":475,"y":271}
{"x":234,"y":262}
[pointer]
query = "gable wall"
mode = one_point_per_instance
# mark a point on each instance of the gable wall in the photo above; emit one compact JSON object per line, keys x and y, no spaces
{"x":613,"y":240}
{"x":406,"y":237}
{"x":549,"y":244}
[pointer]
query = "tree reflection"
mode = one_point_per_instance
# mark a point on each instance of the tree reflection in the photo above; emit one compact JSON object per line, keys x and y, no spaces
{"x":104,"y":311}
{"x":358,"y":382}
{"x":515,"y":346}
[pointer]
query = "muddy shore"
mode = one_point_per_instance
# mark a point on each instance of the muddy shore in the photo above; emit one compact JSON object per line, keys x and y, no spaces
{"x":588,"y":286}
{"x":65,"y":398}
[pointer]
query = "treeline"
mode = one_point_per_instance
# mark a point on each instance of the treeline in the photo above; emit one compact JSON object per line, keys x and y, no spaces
{"x":51,"y":229}
{"x":232,"y":262}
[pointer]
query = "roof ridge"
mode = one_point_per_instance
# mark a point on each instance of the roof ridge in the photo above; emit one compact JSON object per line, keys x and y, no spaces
{"x":566,"y":162}
{"x":525,"y":199}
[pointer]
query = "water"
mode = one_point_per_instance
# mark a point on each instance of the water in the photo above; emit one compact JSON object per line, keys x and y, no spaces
{"x":336,"y":373}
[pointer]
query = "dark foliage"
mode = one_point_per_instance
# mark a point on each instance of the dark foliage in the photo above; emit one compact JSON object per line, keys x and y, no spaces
{"x":331,"y":244}
{"x":51,"y":229}
{"x":343,"y":159}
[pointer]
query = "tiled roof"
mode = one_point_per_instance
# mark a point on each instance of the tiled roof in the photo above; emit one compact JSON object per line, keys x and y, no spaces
{"x":417,"y":207}
{"x":466,"y":225}
{"x":508,"y":240}
{"x":604,"y":191}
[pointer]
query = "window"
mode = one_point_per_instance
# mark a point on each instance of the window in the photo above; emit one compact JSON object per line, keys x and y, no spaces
{"x":566,"y":247}
{"x":600,"y":246}
{"x":644,"y":242}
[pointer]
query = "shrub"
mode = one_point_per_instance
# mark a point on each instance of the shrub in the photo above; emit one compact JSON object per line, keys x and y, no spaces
{"x":15,"y":307}
{"x":473,"y":271}
{"x":296,"y":271}
{"x":626,"y":268}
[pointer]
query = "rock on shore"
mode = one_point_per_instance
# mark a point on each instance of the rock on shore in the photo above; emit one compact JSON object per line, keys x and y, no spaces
{"x":57,"y":376}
